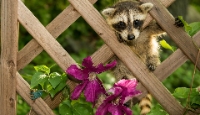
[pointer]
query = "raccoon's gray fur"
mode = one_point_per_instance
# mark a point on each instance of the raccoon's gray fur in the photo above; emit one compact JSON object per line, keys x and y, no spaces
{"x":126,"y":19}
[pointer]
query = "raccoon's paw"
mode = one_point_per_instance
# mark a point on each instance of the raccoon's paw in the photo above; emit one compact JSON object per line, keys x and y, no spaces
{"x":151,"y":67}
{"x":178,"y":23}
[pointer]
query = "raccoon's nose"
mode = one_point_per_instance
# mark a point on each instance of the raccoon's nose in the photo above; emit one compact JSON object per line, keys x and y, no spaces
{"x":131,"y":37}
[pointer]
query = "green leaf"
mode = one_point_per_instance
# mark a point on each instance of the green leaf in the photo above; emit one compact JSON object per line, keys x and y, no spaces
{"x":192,"y":28}
{"x":183,"y":92}
{"x":66,"y":92}
{"x":65,"y":108}
{"x":196,"y":100}
{"x":47,"y":86}
{"x":38,"y":78}
{"x":53,"y":92}
{"x":82,"y":109}
{"x":195,"y":27}
{"x":182,"y":20}
{"x":157,"y":110}
{"x":186,"y":25}
{"x":55,"y":79}
{"x":165,"y":45}
{"x":42,"y":68}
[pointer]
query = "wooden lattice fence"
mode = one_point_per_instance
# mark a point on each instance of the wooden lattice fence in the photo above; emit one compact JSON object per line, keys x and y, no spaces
{"x":12,"y":60}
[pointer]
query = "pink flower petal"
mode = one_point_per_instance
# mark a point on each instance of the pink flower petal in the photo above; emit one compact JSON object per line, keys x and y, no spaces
{"x":101,"y":68}
{"x":115,"y":110}
{"x":130,"y":84}
{"x":87,"y":63}
{"x":103,"y":109}
{"x":92,"y":90}
{"x":126,"y":110}
{"x":129,"y":89}
{"x":77,"y":91}
{"x":77,"y":73}
{"x":127,"y":98}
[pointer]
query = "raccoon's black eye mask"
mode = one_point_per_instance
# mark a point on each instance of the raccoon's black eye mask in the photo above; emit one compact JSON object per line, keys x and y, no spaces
{"x":137,"y":23}
{"x":119,"y":26}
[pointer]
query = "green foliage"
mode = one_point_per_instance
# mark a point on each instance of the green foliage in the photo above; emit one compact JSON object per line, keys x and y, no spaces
{"x":165,"y":45}
{"x":51,"y":83}
{"x":195,"y":4}
{"x":192,"y":95}
{"x":192,"y":28}
{"x":157,"y":110}
{"x":76,"y":107}
{"x":80,"y":41}
{"x":22,"y":107}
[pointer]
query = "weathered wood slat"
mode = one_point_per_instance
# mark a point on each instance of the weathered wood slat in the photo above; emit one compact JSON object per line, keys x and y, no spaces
{"x":23,"y":88}
{"x":65,"y":68}
{"x":56,"y":27}
{"x":196,"y":38}
{"x":9,"y":48}
{"x":175,"y":60}
{"x":166,"y":21}
{"x":60,"y":19}
{"x":61,"y":29}
{"x":97,"y":58}
{"x":166,"y":3}
{"x":155,"y":87}
{"x":43,"y":37}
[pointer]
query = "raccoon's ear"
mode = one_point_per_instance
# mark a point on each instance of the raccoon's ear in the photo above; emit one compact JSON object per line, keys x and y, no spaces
{"x":108,"y":12}
{"x":145,"y":7}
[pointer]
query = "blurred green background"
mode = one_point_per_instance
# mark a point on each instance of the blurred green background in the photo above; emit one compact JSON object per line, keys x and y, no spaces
{"x":80,"y":41}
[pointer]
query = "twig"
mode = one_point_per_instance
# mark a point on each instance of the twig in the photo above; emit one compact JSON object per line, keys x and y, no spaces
{"x":188,"y":99}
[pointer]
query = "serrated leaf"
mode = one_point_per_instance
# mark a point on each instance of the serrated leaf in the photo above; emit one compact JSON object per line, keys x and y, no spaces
{"x":165,"y":45}
{"x":42,"y":68}
{"x":55,"y":79}
{"x":38,"y":78}
{"x":82,"y":109}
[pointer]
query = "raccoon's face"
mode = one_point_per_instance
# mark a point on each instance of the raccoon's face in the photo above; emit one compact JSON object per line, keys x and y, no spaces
{"x":127,"y":18}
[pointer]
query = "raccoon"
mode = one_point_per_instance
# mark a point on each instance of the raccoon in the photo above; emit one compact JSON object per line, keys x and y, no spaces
{"x":126,"y":19}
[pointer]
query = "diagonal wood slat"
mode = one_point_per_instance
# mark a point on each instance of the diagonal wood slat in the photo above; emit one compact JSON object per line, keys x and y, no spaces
{"x":166,"y":3}
{"x":66,"y":18}
{"x":43,"y":37}
{"x":56,"y":27}
{"x":154,"y":86}
{"x":23,"y":88}
{"x":182,"y":39}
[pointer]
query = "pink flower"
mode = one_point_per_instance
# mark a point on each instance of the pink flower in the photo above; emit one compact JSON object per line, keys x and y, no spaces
{"x":90,"y":84}
{"x":121,"y":92}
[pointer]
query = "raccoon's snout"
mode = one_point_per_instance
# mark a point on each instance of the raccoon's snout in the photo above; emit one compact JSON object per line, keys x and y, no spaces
{"x":131,"y":37}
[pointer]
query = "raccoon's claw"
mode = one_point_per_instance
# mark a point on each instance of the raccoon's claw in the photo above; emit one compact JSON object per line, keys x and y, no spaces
{"x":151,"y":67}
{"x":178,"y":23}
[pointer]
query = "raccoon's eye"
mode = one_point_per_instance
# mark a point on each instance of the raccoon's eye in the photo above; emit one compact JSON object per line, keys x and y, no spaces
{"x":119,"y":26}
{"x":137,"y":23}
